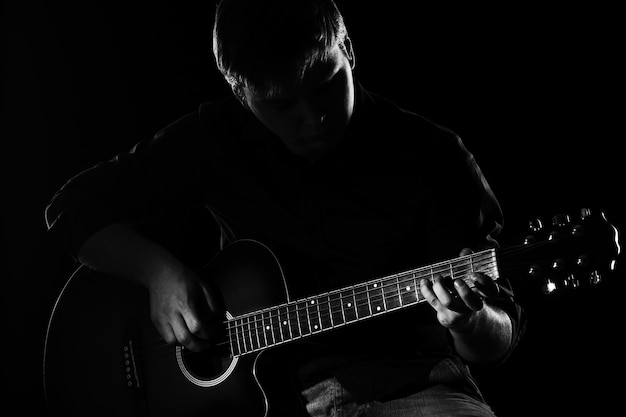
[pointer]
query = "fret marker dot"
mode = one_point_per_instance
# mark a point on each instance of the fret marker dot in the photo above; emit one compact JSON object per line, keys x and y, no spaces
{"x":267,"y":327}
{"x":408,"y":288}
{"x":285,"y":323}
{"x":378,"y":308}
{"x":349,"y":304}
{"x":315,"y":327}
{"x":375,"y":285}
{"x":312,"y":301}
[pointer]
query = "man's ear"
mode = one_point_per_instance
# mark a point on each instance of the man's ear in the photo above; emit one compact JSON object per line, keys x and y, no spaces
{"x":346,"y":46}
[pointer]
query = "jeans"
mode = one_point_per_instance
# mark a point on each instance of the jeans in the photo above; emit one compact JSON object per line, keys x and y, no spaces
{"x":453,"y":393}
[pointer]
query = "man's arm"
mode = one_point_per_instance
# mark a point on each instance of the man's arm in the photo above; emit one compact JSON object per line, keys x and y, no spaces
{"x":182,"y":306}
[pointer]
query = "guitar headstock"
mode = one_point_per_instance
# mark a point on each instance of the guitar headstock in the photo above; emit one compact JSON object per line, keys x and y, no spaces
{"x":570,"y":251}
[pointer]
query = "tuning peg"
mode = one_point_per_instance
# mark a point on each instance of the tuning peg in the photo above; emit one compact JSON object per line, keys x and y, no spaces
{"x":578,"y":230}
{"x":584,"y":213}
{"x":554,"y":235}
{"x":529,"y":240}
{"x":561,"y":220}
{"x":595,"y":277}
{"x":535,"y":225}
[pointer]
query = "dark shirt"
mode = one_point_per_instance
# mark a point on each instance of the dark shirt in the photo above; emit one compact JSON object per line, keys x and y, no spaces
{"x":398,"y":192}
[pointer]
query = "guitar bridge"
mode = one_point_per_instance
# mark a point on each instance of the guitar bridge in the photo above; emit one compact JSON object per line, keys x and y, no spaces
{"x":130,"y":366}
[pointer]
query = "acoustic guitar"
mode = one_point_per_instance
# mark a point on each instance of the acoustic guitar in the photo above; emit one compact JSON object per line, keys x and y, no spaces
{"x":116,"y":364}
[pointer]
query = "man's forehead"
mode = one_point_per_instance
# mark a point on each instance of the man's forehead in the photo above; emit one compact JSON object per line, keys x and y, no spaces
{"x":318,"y":72}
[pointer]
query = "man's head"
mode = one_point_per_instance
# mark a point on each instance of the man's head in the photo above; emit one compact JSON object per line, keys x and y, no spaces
{"x":290,"y":62}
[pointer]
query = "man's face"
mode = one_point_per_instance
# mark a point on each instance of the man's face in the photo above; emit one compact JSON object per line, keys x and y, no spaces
{"x":310,"y":118}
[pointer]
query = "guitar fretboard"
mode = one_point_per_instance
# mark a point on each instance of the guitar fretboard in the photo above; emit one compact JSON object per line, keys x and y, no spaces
{"x":305,"y":317}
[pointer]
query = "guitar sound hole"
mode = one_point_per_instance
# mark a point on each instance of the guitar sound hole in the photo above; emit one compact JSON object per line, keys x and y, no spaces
{"x":207,"y":364}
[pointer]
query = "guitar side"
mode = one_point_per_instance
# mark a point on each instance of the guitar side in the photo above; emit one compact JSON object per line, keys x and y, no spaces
{"x":103,"y":355}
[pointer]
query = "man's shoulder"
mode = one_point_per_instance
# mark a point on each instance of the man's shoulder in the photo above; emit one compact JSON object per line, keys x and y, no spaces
{"x":404,"y":130}
{"x":211,"y":114}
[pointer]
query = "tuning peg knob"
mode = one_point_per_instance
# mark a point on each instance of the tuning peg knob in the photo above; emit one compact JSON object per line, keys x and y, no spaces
{"x":584,"y":213}
{"x":535,"y":225}
{"x":534,"y":271}
{"x":558,"y":265}
{"x":582,"y":261}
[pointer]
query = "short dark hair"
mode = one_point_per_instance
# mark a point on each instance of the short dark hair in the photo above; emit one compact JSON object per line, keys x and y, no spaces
{"x":266,"y":45}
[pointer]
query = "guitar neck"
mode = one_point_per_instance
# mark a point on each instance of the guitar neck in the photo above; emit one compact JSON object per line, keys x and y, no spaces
{"x":309,"y":316}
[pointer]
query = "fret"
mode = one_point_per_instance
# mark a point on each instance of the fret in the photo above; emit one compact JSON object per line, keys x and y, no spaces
{"x":241,"y":336}
{"x":247,"y":335}
{"x":349,"y":306}
{"x":294,"y":322}
{"x":323,"y":305}
{"x":399,"y":292}
{"x":254,"y":342}
{"x":362,"y":303}
{"x":314,"y":315}
{"x":268,"y":333}
{"x":277,"y":331}
{"x":303,"y":318}
{"x":391,"y":293}
{"x":232,"y":337}
{"x":260,"y":330}
{"x":336,"y":309}
{"x":408,"y":290}
{"x":376,"y":298}
{"x":285,"y":328}
{"x":460,"y":268}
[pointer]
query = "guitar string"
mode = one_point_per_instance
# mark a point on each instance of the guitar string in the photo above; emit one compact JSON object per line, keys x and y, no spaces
{"x":246,"y":332}
{"x":479,"y":266}
{"x":401,"y":280}
{"x":407,"y":277}
{"x":359,"y":294}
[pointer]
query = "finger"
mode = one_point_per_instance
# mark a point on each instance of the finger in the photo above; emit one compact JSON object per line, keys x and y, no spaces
{"x":184,"y":337}
{"x":427,"y":292}
{"x":166,"y":331}
{"x":196,"y":326}
{"x":466,"y":251}
{"x":212,"y":297}
{"x":442,"y":291}
{"x":472,"y":300}
{"x":484,"y":285}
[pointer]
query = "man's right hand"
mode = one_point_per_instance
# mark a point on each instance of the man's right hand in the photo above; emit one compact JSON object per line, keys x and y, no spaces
{"x":184,"y":309}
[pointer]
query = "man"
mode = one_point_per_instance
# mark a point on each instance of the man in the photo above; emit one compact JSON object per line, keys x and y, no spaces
{"x":341,"y":184}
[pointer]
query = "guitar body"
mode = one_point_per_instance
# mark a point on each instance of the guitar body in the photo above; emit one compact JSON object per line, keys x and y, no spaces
{"x":103,"y":356}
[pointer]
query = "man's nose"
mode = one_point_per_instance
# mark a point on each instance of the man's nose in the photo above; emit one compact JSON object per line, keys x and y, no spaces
{"x":312,"y":115}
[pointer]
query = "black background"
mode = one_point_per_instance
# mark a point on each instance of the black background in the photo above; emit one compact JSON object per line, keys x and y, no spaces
{"x":536,"y":93}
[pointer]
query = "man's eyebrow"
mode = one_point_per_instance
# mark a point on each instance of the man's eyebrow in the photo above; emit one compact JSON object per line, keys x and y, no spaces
{"x":326,"y":74}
